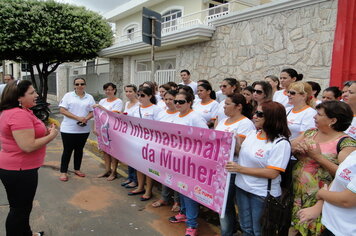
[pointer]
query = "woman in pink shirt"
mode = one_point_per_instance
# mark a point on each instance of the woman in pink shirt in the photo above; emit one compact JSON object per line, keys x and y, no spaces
{"x":23,"y":140}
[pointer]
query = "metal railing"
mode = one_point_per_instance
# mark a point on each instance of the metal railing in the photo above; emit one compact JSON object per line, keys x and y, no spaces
{"x":161,"y":76}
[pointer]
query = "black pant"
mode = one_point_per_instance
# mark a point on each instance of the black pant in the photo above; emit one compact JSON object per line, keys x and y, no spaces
{"x":327,"y":232}
{"x":72,"y":142}
{"x":20,"y":188}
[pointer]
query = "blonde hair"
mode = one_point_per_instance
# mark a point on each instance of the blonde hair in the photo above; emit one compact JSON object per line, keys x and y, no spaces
{"x":303,"y":88}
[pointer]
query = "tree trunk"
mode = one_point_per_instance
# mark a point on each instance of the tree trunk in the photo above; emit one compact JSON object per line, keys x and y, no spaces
{"x":33,"y":80}
{"x":40,"y":76}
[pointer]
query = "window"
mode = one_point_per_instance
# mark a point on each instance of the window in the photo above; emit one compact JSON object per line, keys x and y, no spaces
{"x":130,"y":33}
{"x":90,"y":67}
{"x":169,"y":18}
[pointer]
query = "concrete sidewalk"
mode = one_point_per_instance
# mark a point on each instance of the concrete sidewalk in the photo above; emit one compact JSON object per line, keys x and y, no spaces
{"x":94,"y":206}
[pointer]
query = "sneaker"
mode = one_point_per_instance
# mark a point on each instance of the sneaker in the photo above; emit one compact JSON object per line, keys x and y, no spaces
{"x":178,"y":218}
{"x":191,"y":232}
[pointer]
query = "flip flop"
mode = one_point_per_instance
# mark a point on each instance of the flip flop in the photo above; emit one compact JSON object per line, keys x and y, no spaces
{"x":79,"y":173}
{"x":159,"y":203}
{"x":143,"y":198}
{"x":111,"y":177}
{"x":63,"y":178}
{"x":132,"y":193}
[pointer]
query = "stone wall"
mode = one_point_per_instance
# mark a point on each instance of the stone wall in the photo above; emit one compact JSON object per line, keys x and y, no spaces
{"x":301,"y":38}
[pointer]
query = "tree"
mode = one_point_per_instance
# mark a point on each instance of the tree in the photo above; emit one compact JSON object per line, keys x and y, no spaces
{"x":47,"y":33}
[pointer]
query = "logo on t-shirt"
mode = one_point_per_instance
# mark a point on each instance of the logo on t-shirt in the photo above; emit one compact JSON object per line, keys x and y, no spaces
{"x":345,"y":174}
{"x":259,"y":153}
{"x":352,"y":130}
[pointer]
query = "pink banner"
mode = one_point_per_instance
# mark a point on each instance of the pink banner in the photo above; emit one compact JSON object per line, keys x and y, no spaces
{"x":187,"y":159}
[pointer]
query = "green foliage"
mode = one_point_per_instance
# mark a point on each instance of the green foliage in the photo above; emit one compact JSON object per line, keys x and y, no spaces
{"x":50,"y":32}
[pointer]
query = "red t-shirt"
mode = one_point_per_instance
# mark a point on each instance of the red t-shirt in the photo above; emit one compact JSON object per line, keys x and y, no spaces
{"x":12,"y":157}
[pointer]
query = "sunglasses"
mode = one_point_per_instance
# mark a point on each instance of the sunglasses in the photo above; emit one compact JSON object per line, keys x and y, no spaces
{"x":142,"y":95}
{"x":259,"y":92}
{"x":259,"y":114}
{"x":180,"y":102}
{"x":81,"y":84}
{"x":291,"y":93}
{"x":223,"y":86}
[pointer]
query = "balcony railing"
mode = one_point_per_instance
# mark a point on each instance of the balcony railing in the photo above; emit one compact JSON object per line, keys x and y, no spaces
{"x":161,"y":76}
{"x":185,"y":22}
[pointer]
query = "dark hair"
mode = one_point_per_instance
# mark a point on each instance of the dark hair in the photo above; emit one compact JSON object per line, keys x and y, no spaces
{"x":335,"y":90}
{"x":275,"y":124}
{"x":107,"y":85}
{"x":266,"y":87}
{"x":188,"y":97}
{"x":243,"y":81}
{"x":150,"y":85}
{"x":165,"y":87}
{"x":12,"y":92}
{"x":315,"y":87}
{"x":233,"y":82}
{"x":293,"y":73}
{"x":172,"y":84}
{"x":238,"y":98}
{"x":274,"y":79}
{"x":148,"y":91}
{"x":79,"y":78}
{"x":348,"y":83}
{"x":249,"y":88}
{"x":171,"y":92}
{"x":11,"y":76}
{"x":134,"y":88}
{"x":208,"y":87}
{"x":186,"y":71}
{"x":339,"y":110}
{"x":204,"y":81}
{"x":186,"y":88}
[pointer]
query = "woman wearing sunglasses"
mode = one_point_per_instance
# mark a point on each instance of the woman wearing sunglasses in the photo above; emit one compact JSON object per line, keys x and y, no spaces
{"x":262,"y":92}
{"x":114,"y":104}
{"x":168,"y":115}
{"x":189,"y":208}
{"x":207,"y":107}
{"x":76,"y":108}
{"x":146,"y":110}
{"x":301,"y":116}
{"x":239,"y":123}
{"x":287,"y":77}
{"x":263,"y":156}
{"x":228,"y":86}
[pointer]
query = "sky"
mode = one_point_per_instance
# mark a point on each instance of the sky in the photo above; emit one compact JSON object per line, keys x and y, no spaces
{"x":101,"y":6}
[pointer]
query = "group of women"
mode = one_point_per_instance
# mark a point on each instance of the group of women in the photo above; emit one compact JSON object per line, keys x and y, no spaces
{"x":270,"y":119}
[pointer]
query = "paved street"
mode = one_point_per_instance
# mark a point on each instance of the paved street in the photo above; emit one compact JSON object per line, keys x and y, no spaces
{"x":92,"y":206}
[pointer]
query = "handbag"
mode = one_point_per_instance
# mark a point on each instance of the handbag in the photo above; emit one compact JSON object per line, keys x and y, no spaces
{"x":277,"y":213}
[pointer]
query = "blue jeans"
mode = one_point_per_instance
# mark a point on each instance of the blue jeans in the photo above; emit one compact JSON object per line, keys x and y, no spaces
{"x":132,"y":174}
{"x":166,"y":192}
{"x":228,"y":224}
{"x":190,"y":208}
{"x":250,"y":208}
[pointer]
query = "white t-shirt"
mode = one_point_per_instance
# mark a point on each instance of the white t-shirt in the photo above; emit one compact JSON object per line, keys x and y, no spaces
{"x":208,"y":110}
{"x":167,"y":116}
{"x":341,"y":221}
{"x":300,"y":121}
{"x":191,"y":119}
{"x":221,"y":113}
{"x":256,"y":152}
{"x":351,"y":131}
{"x":77,"y":106}
{"x":241,"y":127}
{"x":162,"y":104}
{"x":130,"y":111}
{"x":193,"y":85}
{"x":281,"y":97}
{"x":220,"y":96}
{"x":150,"y":112}
{"x":115,"y":105}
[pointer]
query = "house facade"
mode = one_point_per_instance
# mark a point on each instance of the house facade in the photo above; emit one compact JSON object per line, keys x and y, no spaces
{"x":218,"y":39}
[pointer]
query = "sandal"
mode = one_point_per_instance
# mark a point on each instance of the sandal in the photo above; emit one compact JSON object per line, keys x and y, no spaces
{"x":159,"y":203}
{"x":126,"y":182}
{"x":79,"y":173}
{"x":106,"y":174}
{"x":176,"y":207}
{"x":111,"y":177}
{"x":63,"y":177}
